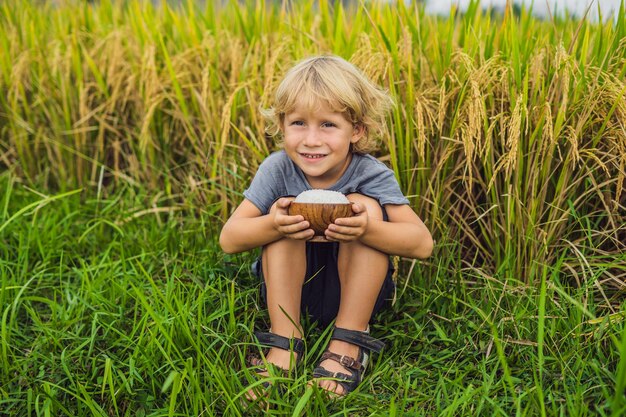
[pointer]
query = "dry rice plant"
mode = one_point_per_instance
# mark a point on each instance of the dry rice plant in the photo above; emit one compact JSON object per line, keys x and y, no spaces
{"x":508,"y":136}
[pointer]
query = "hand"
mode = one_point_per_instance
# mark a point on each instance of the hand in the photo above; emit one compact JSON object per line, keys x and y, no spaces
{"x":349,"y":229}
{"x":292,"y":227}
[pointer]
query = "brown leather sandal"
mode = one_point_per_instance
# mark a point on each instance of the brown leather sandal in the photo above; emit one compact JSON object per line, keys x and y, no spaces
{"x":270,"y":340}
{"x":356,"y":367}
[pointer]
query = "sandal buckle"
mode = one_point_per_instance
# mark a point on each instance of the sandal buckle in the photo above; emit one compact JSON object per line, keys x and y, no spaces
{"x":347,"y":361}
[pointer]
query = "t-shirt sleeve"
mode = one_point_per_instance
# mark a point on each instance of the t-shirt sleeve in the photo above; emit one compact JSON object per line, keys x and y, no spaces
{"x":263,"y":189}
{"x":380,"y":183}
{"x":260,"y":190}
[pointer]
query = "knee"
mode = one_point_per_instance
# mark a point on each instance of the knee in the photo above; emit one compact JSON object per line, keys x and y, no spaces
{"x":284,"y":253}
{"x":285,"y":245}
{"x":374,"y":209}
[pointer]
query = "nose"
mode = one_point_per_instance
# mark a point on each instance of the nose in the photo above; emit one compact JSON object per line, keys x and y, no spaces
{"x":312,"y":138}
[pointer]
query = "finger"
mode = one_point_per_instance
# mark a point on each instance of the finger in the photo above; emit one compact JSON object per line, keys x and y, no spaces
{"x":282,"y":204}
{"x":342,"y":233}
{"x":337,"y":237}
{"x":290,"y":228}
{"x":358,"y":208}
{"x":287,"y":220}
{"x":302,"y":235}
{"x":357,"y":221}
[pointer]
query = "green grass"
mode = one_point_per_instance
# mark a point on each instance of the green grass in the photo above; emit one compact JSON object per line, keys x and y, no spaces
{"x":128,"y":132}
{"x":111,"y":309}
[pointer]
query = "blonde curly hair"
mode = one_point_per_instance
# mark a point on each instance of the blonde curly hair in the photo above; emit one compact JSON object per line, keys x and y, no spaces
{"x":335,"y":82}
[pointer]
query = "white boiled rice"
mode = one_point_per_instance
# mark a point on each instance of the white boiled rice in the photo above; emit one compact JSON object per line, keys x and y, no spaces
{"x":321,"y":197}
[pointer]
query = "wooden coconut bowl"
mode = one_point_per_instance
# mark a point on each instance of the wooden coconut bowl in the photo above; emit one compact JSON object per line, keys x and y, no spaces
{"x":320,"y":215}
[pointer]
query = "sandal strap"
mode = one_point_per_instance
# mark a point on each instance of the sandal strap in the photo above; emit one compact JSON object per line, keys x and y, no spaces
{"x":343,"y":360}
{"x":348,"y":382}
{"x":274,"y":340}
{"x":257,"y":363}
{"x":355,"y":337}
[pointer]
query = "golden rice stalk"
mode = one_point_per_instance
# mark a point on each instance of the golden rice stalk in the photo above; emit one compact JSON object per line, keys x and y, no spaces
{"x":374,"y":63}
{"x":442,"y":108}
{"x":512,"y":132}
{"x":621,"y":176}
{"x":560,"y":86}
{"x":538,"y":71}
{"x":152,"y":97}
{"x":477,"y":142}
{"x":226,"y":124}
{"x":613,"y":96}
{"x":425,"y":121}
{"x":547,"y":134}
{"x":515,"y":132}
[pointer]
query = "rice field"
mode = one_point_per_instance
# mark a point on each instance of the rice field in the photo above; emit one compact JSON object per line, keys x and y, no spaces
{"x":129,"y":130}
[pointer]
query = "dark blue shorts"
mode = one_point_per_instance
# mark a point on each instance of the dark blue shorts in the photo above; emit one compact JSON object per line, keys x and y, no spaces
{"x":321,"y":290}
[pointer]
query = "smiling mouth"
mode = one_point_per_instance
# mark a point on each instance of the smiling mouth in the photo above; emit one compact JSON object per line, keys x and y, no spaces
{"x":313,"y":155}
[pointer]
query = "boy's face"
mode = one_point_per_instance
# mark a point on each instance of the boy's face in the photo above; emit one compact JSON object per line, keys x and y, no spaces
{"x":318,"y":142}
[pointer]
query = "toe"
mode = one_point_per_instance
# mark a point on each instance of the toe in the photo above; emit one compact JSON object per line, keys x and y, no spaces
{"x":251,"y":395}
{"x":331,"y":386}
{"x":336,"y":388}
{"x":258,"y":391}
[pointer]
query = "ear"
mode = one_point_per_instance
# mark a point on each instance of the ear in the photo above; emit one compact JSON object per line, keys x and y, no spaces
{"x":357,"y":133}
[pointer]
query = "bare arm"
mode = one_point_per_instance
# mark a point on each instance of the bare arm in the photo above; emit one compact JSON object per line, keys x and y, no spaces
{"x":247,"y":228}
{"x":404,"y":234}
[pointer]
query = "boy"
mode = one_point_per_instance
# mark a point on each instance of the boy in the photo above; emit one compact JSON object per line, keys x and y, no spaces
{"x":329,"y":115}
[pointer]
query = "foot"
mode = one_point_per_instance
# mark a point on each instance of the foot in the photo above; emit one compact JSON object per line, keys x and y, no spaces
{"x":280,"y":358}
{"x":340,"y":348}
{"x":345,"y":360}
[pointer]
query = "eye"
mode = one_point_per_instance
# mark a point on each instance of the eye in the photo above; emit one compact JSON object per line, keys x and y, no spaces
{"x":328,"y":124}
{"x":297,"y":123}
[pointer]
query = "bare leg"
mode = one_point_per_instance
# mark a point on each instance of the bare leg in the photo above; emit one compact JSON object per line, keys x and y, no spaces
{"x":362,"y":271}
{"x":284,"y":267}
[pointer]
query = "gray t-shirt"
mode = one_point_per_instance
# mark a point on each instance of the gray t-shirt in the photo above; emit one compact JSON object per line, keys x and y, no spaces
{"x":279,"y":177}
